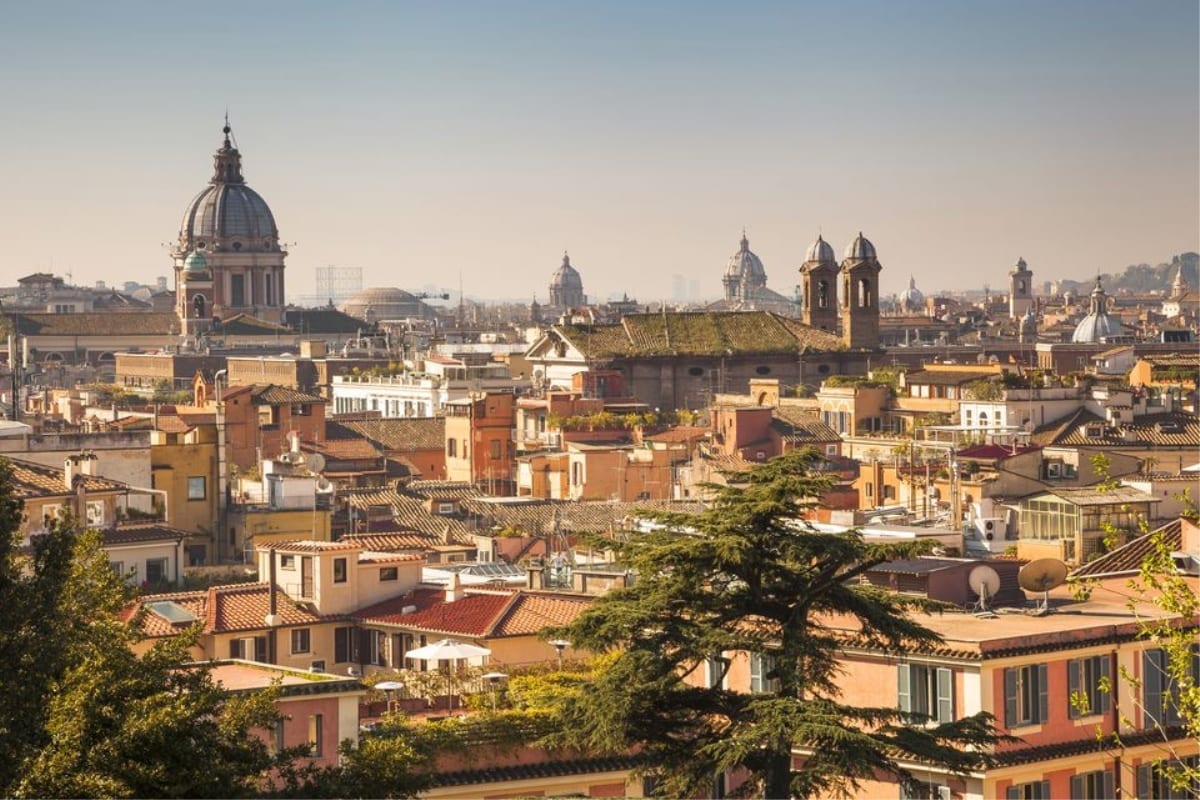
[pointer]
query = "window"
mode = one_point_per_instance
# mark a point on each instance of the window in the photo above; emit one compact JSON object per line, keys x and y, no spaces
{"x":301,"y":640}
{"x":339,"y":570}
{"x":1154,"y":780}
{"x":315,"y":729}
{"x":761,"y":679}
{"x":1088,"y":686}
{"x":156,"y":570}
{"x":925,"y":791}
{"x":277,"y":738}
{"x":714,"y":671}
{"x":389,"y":573}
{"x":496,"y":451}
{"x":1025,"y":698}
{"x":1159,"y":689}
{"x":345,"y":645}
{"x":287,"y":562}
{"x":1096,"y":785}
{"x":451,"y":448}
{"x":374,"y":643}
{"x":95,"y":513}
{"x":118,"y":567}
{"x":927,"y":691}
{"x":237,"y":290}
{"x":196,"y":487}
{"x":250,"y":648}
{"x":1036,"y":790}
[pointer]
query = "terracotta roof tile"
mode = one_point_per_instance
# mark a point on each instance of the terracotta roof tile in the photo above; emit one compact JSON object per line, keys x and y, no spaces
{"x":224,"y":609}
{"x":390,"y":541}
{"x":147,"y":323}
{"x":145,"y":532}
{"x":35,"y":480}
{"x":1127,"y":559}
{"x":533,"y":612}
{"x":405,"y":435}
{"x":474,"y":615}
{"x":343,"y":449}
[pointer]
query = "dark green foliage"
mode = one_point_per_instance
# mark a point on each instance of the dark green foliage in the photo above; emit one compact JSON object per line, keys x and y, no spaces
{"x":745,"y":576}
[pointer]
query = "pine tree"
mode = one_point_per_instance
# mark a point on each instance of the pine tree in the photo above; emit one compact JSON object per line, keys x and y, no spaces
{"x":746,"y":576}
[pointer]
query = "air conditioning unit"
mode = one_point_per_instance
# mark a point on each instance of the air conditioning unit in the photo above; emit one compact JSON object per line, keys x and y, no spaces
{"x":317,"y":666}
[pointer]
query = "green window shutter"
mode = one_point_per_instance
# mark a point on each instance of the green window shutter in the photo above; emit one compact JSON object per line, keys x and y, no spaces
{"x":945,"y":695}
{"x":1077,"y":788}
{"x":1143,"y":782}
{"x":1152,"y":679}
{"x":1073,"y":669}
{"x":904,"y":690}
{"x":1010,"y":697}
{"x":1012,"y":793}
{"x":1105,"y":675}
{"x":1043,"y":694}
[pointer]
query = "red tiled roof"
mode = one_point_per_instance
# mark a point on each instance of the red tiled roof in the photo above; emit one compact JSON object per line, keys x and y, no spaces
{"x":145,"y":532}
{"x":994,"y":452}
{"x":390,"y":541}
{"x":309,"y":546}
{"x":223,"y":609}
{"x":35,"y":480}
{"x":389,"y":558}
{"x":533,"y":612}
{"x":343,"y":449}
{"x":1127,"y":559}
{"x":472,"y":615}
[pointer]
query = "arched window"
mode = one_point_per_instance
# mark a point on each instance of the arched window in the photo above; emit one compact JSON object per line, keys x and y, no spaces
{"x":198,"y":306}
{"x":822,"y":294}
{"x":864,"y":293}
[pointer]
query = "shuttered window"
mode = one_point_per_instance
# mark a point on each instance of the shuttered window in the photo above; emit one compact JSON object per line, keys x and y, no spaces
{"x":1096,"y":785}
{"x":927,"y":691}
{"x":1088,"y":688}
{"x":1025,"y":697}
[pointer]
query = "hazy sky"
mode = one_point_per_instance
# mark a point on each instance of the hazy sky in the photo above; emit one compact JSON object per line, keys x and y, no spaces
{"x":421,"y":141}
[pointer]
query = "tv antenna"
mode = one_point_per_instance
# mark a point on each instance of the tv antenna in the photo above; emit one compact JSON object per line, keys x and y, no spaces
{"x":985,"y":582}
{"x":1042,"y":575}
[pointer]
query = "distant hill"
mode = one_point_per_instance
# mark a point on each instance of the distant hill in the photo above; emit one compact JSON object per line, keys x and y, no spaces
{"x":1143,"y":278}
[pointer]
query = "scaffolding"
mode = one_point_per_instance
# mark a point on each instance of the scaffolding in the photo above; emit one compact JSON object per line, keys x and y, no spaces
{"x":334,"y":285}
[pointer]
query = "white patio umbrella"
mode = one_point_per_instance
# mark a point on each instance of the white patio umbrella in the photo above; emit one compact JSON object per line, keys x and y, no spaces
{"x":448,"y":650}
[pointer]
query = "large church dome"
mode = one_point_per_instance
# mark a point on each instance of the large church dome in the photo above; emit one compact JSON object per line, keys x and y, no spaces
{"x":227,"y":214}
{"x":745,"y":265}
{"x":386,"y":303}
{"x":566,"y":277}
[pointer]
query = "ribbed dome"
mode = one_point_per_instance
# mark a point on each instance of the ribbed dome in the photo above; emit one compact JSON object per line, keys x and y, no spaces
{"x":1098,"y":324}
{"x":861,"y":248}
{"x":745,"y":265}
{"x":821,"y":252}
{"x":1029,"y":321}
{"x":228,"y":214}
{"x":566,"y":277}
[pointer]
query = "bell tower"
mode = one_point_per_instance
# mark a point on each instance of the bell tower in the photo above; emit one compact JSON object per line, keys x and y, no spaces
{"x":194,"y":295}
{"x":860,"y":295}
{"x":1020,"y":290}
{"x":818,"y":279}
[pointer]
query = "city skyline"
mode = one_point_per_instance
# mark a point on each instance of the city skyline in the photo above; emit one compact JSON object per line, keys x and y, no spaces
{"x":421,"y":143}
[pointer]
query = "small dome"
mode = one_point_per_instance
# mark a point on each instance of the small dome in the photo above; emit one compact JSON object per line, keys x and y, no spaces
{"x":861,"y":248}
{"x":195,"y":262}
{"x":820,"y":252}
{"x":566,"y":277}
{"x":1029,"y":321}
{"x":912,"y":296}
{"x":745,"y":265}
{"x":1098,"y":325}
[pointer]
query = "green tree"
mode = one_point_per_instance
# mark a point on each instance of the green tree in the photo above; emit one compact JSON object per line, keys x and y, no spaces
{"x":746,"y":576}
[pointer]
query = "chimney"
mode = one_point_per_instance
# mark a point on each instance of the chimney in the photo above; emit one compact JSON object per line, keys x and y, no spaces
{"x":454,"y":588}
{"x":294,"y":438}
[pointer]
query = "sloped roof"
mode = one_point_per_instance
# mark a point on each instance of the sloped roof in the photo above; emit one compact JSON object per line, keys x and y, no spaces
{"x":533,"y":612}
{"x":1142,"y":431}
{"x":698,"y":333}
{"x":145,"y":323}
{"x":589,"y":516}
{"x":808,"y":431}
{"x":225,"y":609}
{"x":247,"y":325}
{"x":1127,"y":559}
{"x":410,"y":512}
{"x":390,"y":541}
{"x":404,"y":435}
{"x":479,"y":613}
{"x":322,"y":320}
{"x":273,"y":395}
{"x":143,"y":532}
{"x":343,"y":449}
{"x":30,"y":480}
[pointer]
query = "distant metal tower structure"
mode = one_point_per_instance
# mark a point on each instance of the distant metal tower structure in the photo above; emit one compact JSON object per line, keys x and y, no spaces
{"x":337,"y":284}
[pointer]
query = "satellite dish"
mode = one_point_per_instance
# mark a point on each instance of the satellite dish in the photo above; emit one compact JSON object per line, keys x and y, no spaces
{"x":985,"y":582}
{"x":1042,"y":575}
{"x":316,"y":462}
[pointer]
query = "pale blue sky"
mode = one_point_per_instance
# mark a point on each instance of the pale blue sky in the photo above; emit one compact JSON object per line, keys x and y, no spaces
{"x":424,"y":140}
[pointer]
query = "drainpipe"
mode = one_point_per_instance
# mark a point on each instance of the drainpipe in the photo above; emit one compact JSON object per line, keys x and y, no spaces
{"x":272,"y":618}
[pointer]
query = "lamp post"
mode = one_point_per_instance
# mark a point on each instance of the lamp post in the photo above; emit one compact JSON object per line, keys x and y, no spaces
{"x":493,"y":679}
{"x":559,"y":646}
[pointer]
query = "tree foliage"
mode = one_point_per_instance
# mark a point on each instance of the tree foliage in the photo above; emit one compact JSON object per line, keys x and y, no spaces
{"x":745,"y":576}
{"x":81,"y":714}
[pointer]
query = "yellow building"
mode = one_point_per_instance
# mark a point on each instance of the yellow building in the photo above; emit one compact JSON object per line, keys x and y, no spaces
{"x":183,"y":469}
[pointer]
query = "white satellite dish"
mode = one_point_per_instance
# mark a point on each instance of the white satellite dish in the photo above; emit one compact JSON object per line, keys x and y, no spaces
{"x":1042,"y":575}
{"x":985,"y":582}
{"x":316,"y":462}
